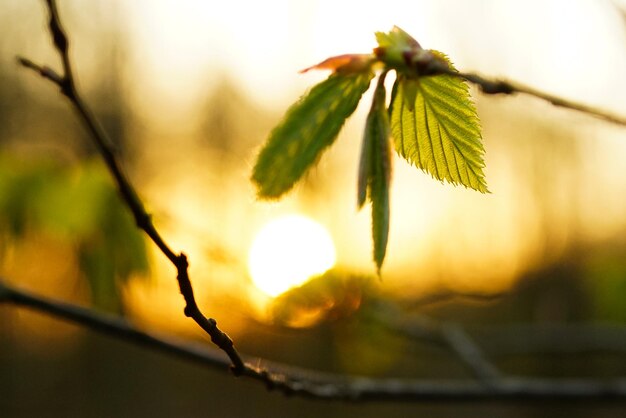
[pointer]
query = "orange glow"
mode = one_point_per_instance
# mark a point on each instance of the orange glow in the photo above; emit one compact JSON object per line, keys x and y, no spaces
{"x":554,"y":175}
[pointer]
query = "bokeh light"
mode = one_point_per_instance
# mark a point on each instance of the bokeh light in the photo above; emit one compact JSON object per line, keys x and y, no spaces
{"x":287,"y":251}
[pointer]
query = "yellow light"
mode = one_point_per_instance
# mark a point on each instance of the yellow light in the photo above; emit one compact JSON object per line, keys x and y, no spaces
{"x":287,"y":252}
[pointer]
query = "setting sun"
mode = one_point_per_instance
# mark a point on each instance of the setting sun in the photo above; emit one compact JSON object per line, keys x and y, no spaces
{"x":287,"y":252}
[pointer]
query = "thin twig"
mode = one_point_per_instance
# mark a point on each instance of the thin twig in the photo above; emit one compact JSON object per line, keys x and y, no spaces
{"x":313,"y":384}
{"x":448,"y":335}
{"x":489,"y":86}
{"x":67,"y":84}
{"x":471,"y":354}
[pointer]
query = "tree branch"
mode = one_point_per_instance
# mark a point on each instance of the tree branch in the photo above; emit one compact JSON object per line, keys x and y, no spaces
{"x":489,"y":86}
{"x":472,"y":355}
{"x":313,"y":384}
{"x":110,"y":325}
{"x":444,"y":334}
{"x":67,"y":85}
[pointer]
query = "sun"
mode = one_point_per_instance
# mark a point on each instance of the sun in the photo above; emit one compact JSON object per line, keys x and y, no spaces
{"x":287,"y":252}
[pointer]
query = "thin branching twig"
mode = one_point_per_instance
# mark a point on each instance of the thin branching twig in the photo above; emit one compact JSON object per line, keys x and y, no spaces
{"x":444,"y":334}
{"x":467,"y":350}
{"x":67,"y":83}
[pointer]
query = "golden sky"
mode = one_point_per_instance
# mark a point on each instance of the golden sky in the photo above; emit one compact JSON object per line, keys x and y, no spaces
{"x":555,"y":175}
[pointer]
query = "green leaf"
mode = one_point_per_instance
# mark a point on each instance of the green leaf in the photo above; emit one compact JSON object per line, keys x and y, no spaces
{"x":308,"y":128}
{"x":375,"y":170}
{"x":441,"y":133}
{"x":393,"y":47}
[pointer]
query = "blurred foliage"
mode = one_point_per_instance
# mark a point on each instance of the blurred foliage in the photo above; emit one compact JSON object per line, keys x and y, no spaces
{"x":331,"y":296}
{"x":344,"y":304}
{"x":75,"y":203}
{"x":606,"y":274}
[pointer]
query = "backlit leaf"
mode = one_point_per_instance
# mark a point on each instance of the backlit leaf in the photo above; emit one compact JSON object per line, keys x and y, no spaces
{"x":309,"y":127}
{"x":346,"y":63}
{"x":441,"y":133}
{"x":76,"y":204}
{"x":375,"y":170}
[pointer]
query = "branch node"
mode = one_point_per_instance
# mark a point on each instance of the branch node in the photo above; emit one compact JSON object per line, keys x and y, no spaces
{"x":143,"y":220}
{"x":66,"y":87}
{"x":236,"y":370}
{"x":58,"y":34}
{"x":181,"y":262}
{"x":266,"y":378}
{"x":44,"y":71}
{"x":496,"y":87}
{"x":219,"y":338}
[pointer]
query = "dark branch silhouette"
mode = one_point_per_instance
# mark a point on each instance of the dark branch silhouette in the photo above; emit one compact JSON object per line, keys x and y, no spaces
{"x":313,"y":384}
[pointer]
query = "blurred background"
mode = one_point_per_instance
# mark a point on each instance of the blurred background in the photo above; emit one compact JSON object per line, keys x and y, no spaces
{"x":189,"y":91}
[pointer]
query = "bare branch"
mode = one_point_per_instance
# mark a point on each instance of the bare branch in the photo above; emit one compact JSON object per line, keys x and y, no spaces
{"x":554,"y":338}
{"x":472,"y":355}
{"x":111,"y":325}
{"x":449,"y":335}
{"x":45,"y":72}
{"x":67,"y":84}
{"x":313,"y":384}
{"x":488,"y":86}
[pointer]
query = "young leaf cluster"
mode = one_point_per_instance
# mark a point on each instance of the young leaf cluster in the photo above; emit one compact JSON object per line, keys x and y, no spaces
{"x":430,"y":120}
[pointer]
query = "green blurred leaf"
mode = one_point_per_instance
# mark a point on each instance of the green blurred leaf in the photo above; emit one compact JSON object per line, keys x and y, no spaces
{"x":114,"y":248}
{"x":112,"y":252}
{"x":98,"y":266}
{"x":309,"y":127}
{"x":440,"y":134}
{"x":375,"y":170}
{"x":605,"y":271}
{"x":71,"y":203}
{"x":20,"y":185}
